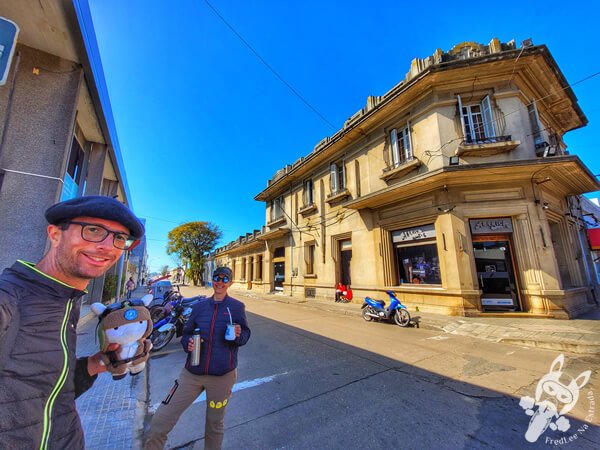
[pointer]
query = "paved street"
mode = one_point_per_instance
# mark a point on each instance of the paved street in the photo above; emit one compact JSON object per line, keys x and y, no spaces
{"x":317,"y":379}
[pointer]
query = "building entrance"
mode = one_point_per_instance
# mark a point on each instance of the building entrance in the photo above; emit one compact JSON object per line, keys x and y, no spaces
{"x":496,"y":273}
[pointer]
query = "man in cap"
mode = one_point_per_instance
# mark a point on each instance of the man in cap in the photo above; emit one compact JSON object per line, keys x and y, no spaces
{"x":40,"y":376}
{"x":216,"y":373}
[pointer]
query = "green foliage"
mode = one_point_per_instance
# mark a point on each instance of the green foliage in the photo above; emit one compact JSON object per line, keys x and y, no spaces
{"x":164,"y":270}
{"x":192,"y":242}
{"x":109,"y":289}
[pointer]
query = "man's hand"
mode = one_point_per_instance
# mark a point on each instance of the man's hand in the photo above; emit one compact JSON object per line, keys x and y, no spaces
{"x":238,"y":330}
{"x":95,"y":364}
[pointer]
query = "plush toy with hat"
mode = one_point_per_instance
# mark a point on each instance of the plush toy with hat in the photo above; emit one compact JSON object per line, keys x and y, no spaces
{"x":127,"y":323}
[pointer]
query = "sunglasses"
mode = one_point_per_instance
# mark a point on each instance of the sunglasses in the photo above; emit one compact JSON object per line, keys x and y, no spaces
{"x":224,"y":279}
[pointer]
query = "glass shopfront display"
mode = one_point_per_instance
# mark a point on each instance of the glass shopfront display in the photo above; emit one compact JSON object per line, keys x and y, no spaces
{"x":416,"y":255}
{"x":494,"y":261}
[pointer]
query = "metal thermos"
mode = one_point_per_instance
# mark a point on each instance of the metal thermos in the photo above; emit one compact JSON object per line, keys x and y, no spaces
{"x":195,"y":358}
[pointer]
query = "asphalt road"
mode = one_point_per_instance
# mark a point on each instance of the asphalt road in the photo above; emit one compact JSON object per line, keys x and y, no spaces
{"x":310,"y":379}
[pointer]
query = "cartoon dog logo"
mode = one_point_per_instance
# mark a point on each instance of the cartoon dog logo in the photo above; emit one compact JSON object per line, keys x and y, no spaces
{"x":553,"y":400}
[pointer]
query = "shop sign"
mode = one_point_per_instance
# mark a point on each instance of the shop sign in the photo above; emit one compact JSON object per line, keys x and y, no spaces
{"x":488,"y":226}
{"x":414,"y":234}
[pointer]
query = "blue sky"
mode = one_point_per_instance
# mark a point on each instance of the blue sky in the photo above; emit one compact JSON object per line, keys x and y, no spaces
{"x":203,"y":124}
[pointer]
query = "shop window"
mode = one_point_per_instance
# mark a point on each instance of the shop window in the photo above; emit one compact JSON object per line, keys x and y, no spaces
{"x":416,"y":255}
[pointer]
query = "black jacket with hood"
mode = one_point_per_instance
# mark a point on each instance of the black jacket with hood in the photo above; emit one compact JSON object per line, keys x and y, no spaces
{"x":40,"y":376}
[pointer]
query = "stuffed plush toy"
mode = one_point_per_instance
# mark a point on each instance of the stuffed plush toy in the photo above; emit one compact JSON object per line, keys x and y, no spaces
{"x":128,"y":324}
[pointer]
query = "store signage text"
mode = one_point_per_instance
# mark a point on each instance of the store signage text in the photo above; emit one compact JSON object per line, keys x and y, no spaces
{"x":413,"y":234}
{"x":486,"y":226}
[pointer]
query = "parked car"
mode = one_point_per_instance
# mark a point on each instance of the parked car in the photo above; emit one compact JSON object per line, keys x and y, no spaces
{"x":158,"y":291}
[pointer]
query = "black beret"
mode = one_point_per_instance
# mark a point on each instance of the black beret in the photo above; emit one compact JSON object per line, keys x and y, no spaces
{"x":98,"y":206}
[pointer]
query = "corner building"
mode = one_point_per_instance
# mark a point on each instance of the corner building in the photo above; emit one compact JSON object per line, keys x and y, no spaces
{"x":454,"y":189}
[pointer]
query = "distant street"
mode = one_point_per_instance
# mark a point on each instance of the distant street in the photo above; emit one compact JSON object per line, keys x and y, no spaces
{"x":314,"y":379}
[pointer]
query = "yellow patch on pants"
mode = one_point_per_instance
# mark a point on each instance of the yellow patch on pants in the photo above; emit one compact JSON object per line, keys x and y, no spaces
{"x":217,"y":405}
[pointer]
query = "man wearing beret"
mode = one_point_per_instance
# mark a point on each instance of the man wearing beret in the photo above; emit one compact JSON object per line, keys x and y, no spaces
{"x":216,"y":372}
{"x":40,"y":376}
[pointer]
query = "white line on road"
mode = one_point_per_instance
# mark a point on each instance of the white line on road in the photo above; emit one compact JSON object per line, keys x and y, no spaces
{"x":236,"y":387}
{"x":438,"y":338}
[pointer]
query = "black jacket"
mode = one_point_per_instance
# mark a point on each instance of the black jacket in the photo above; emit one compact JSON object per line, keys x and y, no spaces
{"x":39,"y":373}
{"x":217,"y":356}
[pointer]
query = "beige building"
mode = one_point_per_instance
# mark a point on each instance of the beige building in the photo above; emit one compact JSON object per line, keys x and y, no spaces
{"x":454,"y":189}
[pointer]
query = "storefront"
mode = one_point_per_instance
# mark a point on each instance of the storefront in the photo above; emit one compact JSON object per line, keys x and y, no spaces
{"x":495,"y":262}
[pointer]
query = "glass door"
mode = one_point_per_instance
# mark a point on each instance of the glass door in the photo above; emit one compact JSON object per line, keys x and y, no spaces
{"x":496,"y":274}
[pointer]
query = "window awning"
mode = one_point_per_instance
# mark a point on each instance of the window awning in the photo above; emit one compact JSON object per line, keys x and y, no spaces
{"x":594,"y":237}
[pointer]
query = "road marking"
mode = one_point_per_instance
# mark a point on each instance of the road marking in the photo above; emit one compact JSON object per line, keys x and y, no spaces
{"x":438,"y":338}
{"x":236,"y":387}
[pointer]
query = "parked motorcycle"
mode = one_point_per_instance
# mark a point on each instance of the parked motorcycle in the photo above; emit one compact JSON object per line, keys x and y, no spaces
{"x":178,"y":312}
{"x":373,"y":309}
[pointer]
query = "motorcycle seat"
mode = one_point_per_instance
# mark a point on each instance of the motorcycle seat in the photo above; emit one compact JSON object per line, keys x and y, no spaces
{"x":189,"y":300}
{"x":379,"y":302}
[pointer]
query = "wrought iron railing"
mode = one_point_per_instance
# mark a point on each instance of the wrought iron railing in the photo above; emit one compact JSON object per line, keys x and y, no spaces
{"x":487,"y":140}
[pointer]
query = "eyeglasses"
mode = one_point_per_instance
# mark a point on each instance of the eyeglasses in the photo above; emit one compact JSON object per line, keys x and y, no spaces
{"x":97,"y":233}
{"x":224,"y":279}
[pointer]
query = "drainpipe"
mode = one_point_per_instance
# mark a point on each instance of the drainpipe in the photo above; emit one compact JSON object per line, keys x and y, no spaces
{"x":291,"y":246}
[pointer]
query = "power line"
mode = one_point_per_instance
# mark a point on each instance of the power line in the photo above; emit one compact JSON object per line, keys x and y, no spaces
{"x":268,"y":66}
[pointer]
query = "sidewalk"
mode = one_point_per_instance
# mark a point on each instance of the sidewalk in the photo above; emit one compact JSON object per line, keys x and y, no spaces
{"x":581,"y":335}
{"x":111,"y":412}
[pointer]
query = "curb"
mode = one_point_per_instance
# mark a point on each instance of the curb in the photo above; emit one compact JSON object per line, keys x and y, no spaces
{"x":140,"y":390}
{"x":572,"y":347}
{"x":450,"y":327}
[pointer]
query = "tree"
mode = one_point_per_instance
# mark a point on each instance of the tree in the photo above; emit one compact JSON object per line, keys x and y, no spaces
{"x":192,"y":242}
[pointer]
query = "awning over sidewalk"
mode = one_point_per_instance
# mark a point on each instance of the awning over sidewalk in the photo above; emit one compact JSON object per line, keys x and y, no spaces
{"x":594,"y":237}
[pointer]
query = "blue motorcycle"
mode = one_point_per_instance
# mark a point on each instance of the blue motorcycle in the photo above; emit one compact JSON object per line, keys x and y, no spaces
{"x":176,"y":313}
{"x":373,"y":309}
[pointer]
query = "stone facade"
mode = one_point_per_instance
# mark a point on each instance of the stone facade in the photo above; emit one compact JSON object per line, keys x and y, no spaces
{"x":454,"y":189}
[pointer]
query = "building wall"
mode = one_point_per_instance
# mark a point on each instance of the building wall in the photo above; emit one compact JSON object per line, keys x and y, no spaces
{"x":389,"y":212}
{"x":38,"y":113}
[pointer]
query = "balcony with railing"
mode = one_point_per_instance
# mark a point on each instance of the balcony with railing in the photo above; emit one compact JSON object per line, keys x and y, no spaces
{"x":400,"y":169}
{"x":337,"y":196}
{"x":308,"y":209}
{"x":488,"y":146}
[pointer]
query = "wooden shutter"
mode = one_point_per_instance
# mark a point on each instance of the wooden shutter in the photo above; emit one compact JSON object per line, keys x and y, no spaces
{"x":488,"y":121}
{"x":395,"y":149}
{"x":462,"y":119}
{"x":333,"y":177}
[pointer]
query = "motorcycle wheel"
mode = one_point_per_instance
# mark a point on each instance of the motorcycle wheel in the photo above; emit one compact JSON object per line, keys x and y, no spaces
{"x":365,"y":315}
{"x":402,"y":317}
{"x":161,"y":339}
{"x":157,"y":312}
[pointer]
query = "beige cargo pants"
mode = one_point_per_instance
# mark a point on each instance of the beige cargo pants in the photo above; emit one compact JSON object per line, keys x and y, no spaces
{"x":183,"y":393}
